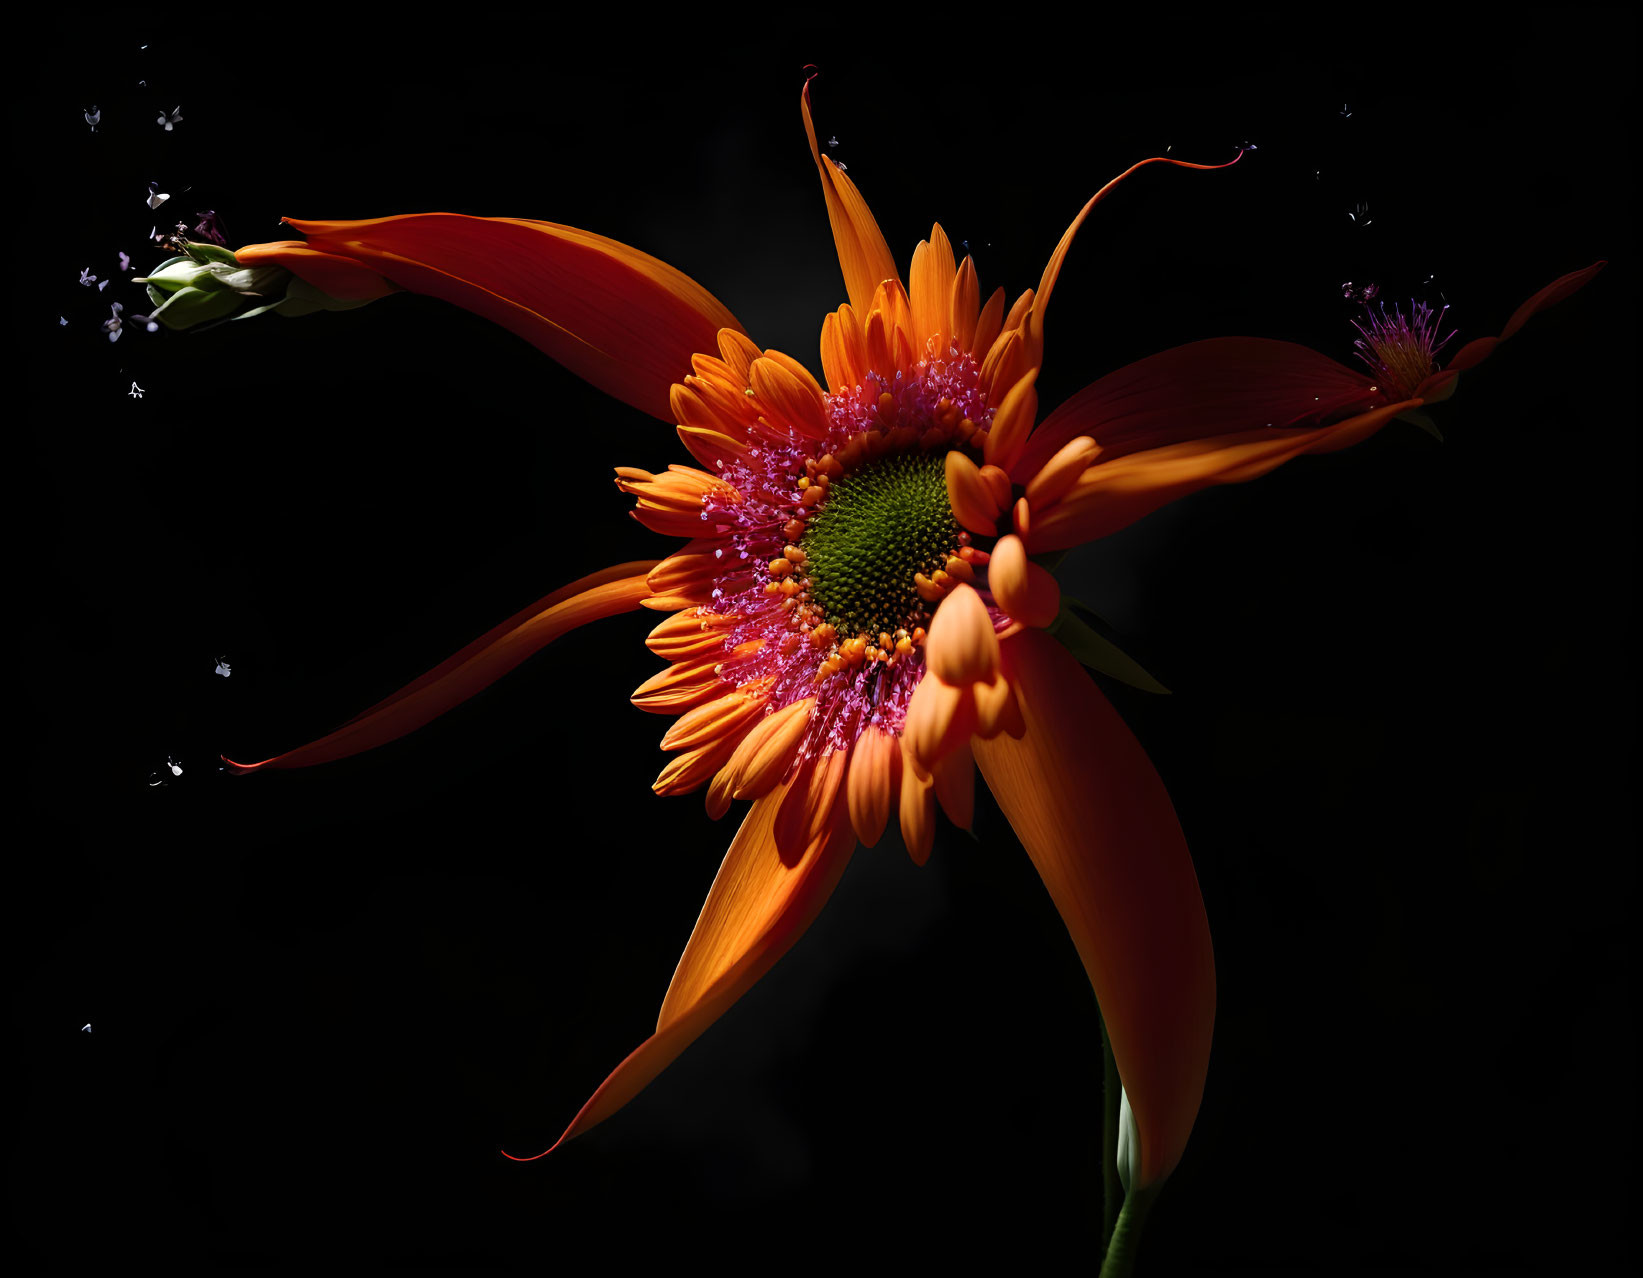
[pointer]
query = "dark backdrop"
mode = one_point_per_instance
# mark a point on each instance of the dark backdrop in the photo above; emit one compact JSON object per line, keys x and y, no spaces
{"x":1399,"y":739}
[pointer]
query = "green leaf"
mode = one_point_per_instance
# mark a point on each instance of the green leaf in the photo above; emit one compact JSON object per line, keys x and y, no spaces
{"x":1095,"y":650}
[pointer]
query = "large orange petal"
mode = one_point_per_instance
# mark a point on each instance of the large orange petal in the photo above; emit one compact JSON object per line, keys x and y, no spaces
{"x":480,"y":664}
{"x":1097,"y":822}
{"x":864,"y":257}
{"x":1207,"y":388}
{"x":758,"y":906}
{"x":1112,"y":495}
{"x":614,"y":316}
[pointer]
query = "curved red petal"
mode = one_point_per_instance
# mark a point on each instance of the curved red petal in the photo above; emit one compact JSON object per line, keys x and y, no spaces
{"x":1479,"y":349}
{"x":1096,"y":820}
{"x":1112,"y":495}
{"x":614,"y":316}
{"x":477,"y":666}
{"x":1199,"y":390}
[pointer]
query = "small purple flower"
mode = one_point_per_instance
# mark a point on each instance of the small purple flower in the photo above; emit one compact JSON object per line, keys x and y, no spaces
{"x":113,"y":326}
{"x":210,"y":227}
{"x":1401,"y":352}
{"x":87,"y":278}
{"x":125,"y":262}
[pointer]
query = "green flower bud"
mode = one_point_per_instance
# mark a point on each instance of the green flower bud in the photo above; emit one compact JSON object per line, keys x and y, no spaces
{"x":210,"y":285}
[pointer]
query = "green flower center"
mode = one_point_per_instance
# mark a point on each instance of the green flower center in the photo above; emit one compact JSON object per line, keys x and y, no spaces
{"x":878,"y":527}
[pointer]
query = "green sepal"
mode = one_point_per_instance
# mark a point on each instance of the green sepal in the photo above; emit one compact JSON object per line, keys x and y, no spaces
{"x":1417,"y":418}
{"x":189,"y":306}
{"x":1095,"y":650}
{"x":212,"y":253}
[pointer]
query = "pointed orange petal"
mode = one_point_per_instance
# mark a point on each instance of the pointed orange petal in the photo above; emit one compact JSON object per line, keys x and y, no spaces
{"x":1112,"y":495}
{"x":969,"y":496}
{"x":813,"y":800}
{"x":931,"y":294}
{"x":763,"y":756}
{"x":1059,"y":474}
{"x":955,"y":786}
{"x":340,"y":277}
{"x":1007,"y":436}
{"x":939,"y":717}
{"x":963,"y":307}
{"x":835,"y":356}
{"x":863,"y":255}
{"x":989,"y":325}
{"x":875,"y":775}
{"x":684,"y":685}
{"x":962,"y":647}
{"x":614,"y":316}
{"x":788,"y":400}
{"x":1097,"y":822}
{"x":481,"y":663}
{"x":1052,"y":268}
{"x":1026,"y":591}
{"x":757,"y":908}
{"x":917,"y":808}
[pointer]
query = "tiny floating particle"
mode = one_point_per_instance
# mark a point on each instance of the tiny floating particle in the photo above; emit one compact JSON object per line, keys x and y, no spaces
{"x":155,"y":196}
{"x":93,"y":117}
{"x":166,"y":124}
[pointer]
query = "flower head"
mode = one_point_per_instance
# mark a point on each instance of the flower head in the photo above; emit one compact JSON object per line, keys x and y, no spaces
{"x":858,"y":616}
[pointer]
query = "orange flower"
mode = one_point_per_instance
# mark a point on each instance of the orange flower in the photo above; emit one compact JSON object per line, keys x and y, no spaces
{"x":857,"y":620}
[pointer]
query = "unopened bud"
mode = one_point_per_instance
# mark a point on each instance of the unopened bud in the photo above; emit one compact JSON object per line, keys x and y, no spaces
{"x":210,"y":284}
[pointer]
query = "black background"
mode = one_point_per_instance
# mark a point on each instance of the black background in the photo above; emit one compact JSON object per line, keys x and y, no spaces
{"x":1399,"y":739}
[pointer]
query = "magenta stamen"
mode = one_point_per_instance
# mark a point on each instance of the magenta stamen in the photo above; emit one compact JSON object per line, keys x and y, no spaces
{"x":1401,"y":352}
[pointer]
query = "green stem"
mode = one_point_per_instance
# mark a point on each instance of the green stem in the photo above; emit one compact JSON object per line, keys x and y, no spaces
{"x":1126,"y":1234}
{"x":1111,"y":1190}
